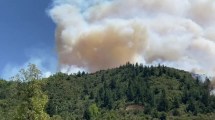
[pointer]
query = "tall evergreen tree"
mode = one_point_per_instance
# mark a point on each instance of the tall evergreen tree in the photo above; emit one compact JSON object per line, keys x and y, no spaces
{"x":163,"y":104}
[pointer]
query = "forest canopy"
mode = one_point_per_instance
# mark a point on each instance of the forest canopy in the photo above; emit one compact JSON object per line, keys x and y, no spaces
{"x":131,"y":91}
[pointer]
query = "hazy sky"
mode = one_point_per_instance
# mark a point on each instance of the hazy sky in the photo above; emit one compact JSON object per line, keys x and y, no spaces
{"x":26,"y":35}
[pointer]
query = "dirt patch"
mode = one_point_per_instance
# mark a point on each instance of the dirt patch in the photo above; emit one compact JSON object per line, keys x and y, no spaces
{"x":134,"y":107}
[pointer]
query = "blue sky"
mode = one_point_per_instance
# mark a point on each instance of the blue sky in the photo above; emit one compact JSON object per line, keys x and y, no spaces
{"x":26,"y":35}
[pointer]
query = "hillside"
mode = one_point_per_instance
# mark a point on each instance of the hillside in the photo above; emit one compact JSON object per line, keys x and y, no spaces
{"x":129,"y":92}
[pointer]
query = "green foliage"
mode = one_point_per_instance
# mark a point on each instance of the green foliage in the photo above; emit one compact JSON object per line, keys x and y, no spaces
{"x":92,"y":112}
{"x":163,"y":104}
{"x":155,"y":93}
{"x":32,"y":100}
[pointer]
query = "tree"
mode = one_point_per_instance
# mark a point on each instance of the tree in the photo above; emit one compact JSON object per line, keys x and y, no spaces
{"x":130,"y":91}
{"x":163,"y":104}
{"x":175,"y":103}
{"x":92,"y":112}
{"x":163,"y":116}
{"x":191,"y":107}
{"x":31,"y":97}
{"x":108,"y":99}
{"x":113,"y":84}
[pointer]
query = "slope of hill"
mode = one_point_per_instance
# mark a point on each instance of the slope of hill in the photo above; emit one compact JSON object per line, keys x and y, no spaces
{"x":131,"y":92}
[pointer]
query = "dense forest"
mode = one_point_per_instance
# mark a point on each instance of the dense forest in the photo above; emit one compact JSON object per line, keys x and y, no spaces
{"x":129,"y":92}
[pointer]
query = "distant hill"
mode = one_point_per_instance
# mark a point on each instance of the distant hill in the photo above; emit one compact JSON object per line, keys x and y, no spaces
{"x":129,"y":92}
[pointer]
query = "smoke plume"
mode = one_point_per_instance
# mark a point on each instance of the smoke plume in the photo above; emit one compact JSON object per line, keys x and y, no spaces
{"x":101,"y":34}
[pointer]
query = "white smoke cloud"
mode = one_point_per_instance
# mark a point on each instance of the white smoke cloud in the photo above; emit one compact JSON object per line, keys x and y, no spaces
{"x":101,"y":34}
{"x":71,"y":69}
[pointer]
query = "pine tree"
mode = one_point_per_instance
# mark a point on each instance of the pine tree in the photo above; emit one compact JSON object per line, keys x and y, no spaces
{"x":163,"y":104}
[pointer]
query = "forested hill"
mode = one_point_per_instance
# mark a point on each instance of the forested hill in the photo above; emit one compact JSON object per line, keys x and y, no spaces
{"x":129,"y":92}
